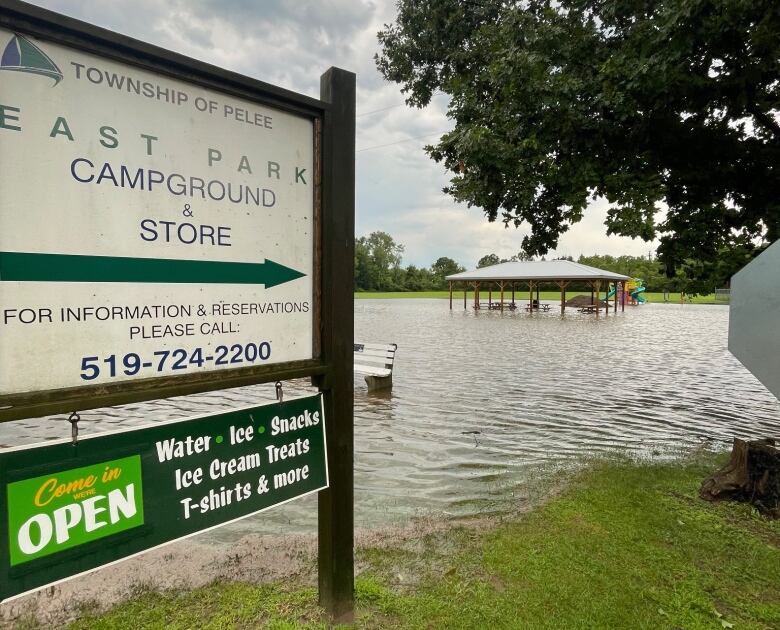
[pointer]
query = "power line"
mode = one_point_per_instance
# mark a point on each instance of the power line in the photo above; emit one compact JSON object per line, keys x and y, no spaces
{"x":376,"y":111}
{"x":390,"y":144}
{"x":384,"y":109}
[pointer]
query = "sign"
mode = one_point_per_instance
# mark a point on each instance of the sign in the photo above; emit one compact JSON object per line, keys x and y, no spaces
{"x":754,"y":318}
{"x":149,"y":226}
{"x":67,"y":508}
{"x":166,"y":227}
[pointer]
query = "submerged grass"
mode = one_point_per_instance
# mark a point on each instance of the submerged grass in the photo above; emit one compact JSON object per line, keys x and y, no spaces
{"x":625,"y":545}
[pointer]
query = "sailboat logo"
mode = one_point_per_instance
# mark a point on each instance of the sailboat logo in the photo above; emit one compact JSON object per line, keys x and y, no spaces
{"x":21,"y":55}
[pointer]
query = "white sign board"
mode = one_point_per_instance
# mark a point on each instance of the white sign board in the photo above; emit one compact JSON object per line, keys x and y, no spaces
{"x":754,"y":317}
{"x":148,"y":226}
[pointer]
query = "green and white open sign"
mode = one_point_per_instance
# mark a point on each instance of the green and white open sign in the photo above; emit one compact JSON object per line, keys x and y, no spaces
{"x":115,"y":495}
{"x":51,"y":513}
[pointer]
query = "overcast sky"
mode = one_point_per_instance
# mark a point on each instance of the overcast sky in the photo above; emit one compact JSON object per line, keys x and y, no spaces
{"x":291,"y":45}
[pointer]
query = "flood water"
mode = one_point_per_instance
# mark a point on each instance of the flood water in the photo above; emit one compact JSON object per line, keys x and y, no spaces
{"x":483,"y":403}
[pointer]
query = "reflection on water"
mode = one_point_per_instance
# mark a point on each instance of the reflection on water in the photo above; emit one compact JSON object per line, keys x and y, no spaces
{"x":482,"y":400}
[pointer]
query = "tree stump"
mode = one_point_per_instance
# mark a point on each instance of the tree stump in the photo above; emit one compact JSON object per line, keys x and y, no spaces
{"x":751,"y":476}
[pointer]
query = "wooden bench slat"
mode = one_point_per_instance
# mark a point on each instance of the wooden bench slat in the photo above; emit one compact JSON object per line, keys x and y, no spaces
{"x":376,"y":346}
{"x":375,"y":353}
{"x":360,"y":358}
{"x":374,"y":371}
{"x":373,"y":361}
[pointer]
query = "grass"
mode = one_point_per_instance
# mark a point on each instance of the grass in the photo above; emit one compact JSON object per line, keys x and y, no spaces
{"x":626,"y":545}
{"x":220,"y":605}
{"x":457,"y":296}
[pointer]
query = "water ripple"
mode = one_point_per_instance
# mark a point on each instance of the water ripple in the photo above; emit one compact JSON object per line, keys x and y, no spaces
{"x":481,"y":401}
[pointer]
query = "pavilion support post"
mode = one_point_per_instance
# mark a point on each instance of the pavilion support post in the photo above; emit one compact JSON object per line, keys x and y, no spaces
{"x":616,"y":295}
{"x":563,"y":298}
{"x":597,"y":287}
{"x":562,"y":284}
{"x":537,"y":295}
{"x":591,"y":292}
{"x":465,"y":294}
{"x":501,"y":286}
{"x":623,"y":298}
{"x":513,"y":294}
{"x":476,"y":296}
{"x":450,"y":294}
{"x":530,"y":296}
{"x":490,"y":296}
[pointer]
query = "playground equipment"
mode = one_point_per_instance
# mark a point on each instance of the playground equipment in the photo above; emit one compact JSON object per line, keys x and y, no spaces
{"x":633,"y":292}
{"x":635,"y":287}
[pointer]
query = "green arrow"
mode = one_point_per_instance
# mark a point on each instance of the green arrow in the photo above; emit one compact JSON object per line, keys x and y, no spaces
{"x":26,"y":267}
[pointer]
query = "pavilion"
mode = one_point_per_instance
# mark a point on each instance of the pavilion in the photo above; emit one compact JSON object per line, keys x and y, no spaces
{"x":506,"y":276}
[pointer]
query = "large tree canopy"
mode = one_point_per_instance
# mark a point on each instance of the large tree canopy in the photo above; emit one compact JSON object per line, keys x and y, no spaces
{"x":653,"y":105}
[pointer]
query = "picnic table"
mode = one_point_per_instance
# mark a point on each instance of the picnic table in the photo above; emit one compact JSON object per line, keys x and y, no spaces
{"x":587,"y":308}
{"x":496,"y":306}
{"x":537,"y":307}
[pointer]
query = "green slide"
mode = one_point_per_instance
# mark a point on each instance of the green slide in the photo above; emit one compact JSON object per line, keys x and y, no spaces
{"x":637,"y":295}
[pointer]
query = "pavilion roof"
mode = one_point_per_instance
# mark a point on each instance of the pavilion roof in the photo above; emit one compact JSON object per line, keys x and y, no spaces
{"x":538,"y":270}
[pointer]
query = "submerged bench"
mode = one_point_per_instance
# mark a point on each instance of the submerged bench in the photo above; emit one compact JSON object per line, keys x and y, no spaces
{"x":376,"y":362}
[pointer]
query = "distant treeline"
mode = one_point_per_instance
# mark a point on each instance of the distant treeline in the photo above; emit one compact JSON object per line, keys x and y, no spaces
{"x":378,"y":268}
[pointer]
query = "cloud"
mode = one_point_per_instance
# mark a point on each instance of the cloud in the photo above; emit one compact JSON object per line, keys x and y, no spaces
{"x":398,"y":188}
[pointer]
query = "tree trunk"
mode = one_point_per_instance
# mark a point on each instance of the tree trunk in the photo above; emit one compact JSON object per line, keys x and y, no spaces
{"x":752,"y":475}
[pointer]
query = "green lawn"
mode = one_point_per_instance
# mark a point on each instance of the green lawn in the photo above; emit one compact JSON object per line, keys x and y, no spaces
{"x":626,"y":545}
{"x":457,"y":297}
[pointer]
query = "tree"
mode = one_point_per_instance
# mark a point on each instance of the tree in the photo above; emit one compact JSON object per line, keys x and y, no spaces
{"x":446,"y":267}
{"x":635,"y":266}
{"x":363,"y":271}
{"x":645,"y":104}
{"x":487,"y":260}
{"x":417,"y":279}
{"x":376,"y":257}
{"x":442,"y":268}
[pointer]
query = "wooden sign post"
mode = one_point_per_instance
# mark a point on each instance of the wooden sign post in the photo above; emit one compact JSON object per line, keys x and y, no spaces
{"x":336,"y":505}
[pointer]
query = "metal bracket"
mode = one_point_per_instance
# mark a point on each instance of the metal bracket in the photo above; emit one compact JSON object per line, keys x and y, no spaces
{"x":279,"y":392}
{"x":74,"y":427}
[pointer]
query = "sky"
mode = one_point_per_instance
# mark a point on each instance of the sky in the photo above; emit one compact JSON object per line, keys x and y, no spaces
{"x":398,"y":187}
